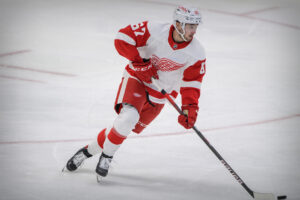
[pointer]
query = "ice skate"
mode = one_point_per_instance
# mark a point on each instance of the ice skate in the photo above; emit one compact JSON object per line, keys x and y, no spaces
{"x":103,"y":166}
{"x":74,"y":162}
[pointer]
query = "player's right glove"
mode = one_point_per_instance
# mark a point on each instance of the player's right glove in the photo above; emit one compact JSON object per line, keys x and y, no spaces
{"x":144,"y":70}
{"x":190,"y":116}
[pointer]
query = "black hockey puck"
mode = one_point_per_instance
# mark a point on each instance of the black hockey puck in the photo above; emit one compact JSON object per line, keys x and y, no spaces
{"x":282,"y":197}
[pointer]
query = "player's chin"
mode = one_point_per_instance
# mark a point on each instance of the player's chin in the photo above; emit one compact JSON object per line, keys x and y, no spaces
{"x":189,"y":37}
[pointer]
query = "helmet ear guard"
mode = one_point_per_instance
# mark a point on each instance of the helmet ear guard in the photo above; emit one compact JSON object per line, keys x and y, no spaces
{"x":182,"y":24}
{"x":186,"y":15}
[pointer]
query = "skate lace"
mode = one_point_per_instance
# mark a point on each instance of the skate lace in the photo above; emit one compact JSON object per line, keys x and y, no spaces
{"x":78,"y":159}
{"x":105,"y":162}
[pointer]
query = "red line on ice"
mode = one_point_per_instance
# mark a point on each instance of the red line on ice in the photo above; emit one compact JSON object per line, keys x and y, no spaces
{"x":275,"y":22}
{"x":259,"y":11}
{"x":37,"y":70}
{"x":15,"y":52}
{"x":20,"y":79}
{"x":245,"y":15}
{"x":256,"y":18}
{"x":254,"y":123}
{"x":157,"y":134}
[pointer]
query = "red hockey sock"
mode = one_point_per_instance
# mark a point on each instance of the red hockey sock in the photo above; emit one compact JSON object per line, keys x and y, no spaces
{"x":115,"y":137}
{"x":101,"y":138}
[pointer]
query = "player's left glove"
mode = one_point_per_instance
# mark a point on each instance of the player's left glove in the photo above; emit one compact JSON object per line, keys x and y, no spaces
{"x":190,"y":116}
{"x":145,"y":70}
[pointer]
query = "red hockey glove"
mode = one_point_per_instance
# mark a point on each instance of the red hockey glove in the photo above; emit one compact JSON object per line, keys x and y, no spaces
{"x":190,"y":116}
{"x":145,"y":70}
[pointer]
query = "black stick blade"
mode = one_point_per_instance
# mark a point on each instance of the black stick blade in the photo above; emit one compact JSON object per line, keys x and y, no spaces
{"x":282,"y":197}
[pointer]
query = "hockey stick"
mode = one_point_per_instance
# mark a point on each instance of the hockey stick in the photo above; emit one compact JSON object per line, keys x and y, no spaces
{"x":254,"y":195}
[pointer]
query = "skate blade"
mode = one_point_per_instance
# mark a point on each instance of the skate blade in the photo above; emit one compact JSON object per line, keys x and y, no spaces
{"x":99,"y":178}
{"x":64,"y":170}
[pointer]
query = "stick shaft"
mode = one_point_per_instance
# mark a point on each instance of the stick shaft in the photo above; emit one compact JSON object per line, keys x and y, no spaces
{"x":217,"y":154}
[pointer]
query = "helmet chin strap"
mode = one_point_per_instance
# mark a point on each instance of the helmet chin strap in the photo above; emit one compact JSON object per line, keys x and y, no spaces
{"x":183,"y":29}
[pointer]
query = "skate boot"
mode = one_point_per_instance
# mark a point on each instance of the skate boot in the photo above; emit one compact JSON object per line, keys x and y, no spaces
{"x":78,"y":159}
{"x":103,"y":165}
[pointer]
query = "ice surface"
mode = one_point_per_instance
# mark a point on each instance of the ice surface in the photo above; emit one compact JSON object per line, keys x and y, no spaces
{"x":59,"y":73}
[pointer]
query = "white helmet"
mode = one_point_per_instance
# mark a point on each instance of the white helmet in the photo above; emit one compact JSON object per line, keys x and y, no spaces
{"x":186,"y":15}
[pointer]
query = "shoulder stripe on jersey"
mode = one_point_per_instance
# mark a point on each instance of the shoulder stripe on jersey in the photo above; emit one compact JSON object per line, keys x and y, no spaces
{"x":126,"y":38}
{"x":193,"y":84}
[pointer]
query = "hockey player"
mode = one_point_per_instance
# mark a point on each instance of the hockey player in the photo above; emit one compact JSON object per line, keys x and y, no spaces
{"x":171,"y":55}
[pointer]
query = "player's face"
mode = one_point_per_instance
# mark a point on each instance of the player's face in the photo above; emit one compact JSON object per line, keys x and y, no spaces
{"x":190,"y":30}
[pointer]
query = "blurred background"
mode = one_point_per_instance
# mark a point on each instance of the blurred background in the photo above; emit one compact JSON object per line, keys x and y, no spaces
{"x":59,"y":75}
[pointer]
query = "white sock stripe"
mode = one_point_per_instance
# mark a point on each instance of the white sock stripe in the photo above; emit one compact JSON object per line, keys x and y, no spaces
{"x":94,"y":148}
{"x":118,"y":134}
{"x":109,"y":148}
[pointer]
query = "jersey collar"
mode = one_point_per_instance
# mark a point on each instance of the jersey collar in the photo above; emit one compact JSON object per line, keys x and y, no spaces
{"x":174,"y":45}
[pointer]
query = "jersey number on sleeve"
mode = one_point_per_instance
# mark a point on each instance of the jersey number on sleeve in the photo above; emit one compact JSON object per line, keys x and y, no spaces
{"x":138,"y":29}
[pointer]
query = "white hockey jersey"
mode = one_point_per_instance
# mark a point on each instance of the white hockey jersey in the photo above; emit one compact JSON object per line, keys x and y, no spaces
{"x":181,"y":66}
